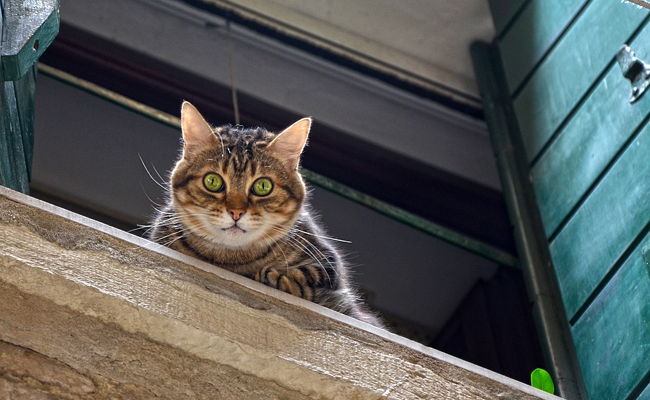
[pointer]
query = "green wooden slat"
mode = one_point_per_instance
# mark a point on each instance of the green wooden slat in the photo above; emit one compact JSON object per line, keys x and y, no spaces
{"x":531,"y":36}
{"x":589,"y":142}
{"x":570,"y":69}
{"x":1,"y":30}
{"x":613,"y":335}
{"x":13,"y":168}
{"x":604,"y":226}
{"x":25,"y":89}
{"x":29,"y":28}
{"x":503,"y":12}
{"x":2,"y":117}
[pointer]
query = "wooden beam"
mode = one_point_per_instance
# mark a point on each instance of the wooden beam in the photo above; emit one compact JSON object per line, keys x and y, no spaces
{"x":87,"y":311}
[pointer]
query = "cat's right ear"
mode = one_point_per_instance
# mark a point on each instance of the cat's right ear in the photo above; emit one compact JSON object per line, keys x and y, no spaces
{"x":196,"y":131}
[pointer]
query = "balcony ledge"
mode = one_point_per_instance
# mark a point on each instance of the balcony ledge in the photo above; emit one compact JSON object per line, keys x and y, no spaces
{"x":90,"y":312}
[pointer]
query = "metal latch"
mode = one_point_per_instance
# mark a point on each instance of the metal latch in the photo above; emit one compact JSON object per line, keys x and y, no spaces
{"x":635,"y":70}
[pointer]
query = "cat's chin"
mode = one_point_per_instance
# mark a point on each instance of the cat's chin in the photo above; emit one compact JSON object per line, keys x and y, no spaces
{"x":237,"y":238}
{"x":234,"y":231}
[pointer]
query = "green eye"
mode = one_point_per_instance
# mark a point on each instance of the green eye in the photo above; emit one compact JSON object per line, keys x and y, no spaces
{"x":213,"y":182}
{"x":262,"y":187}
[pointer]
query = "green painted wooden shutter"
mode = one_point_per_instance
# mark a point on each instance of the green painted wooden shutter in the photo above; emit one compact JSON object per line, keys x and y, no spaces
{"x":586,"y":150}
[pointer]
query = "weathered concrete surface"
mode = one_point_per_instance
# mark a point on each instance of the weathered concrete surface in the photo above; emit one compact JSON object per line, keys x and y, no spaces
{"x":25,"y":374}
{"x":95,"y":313}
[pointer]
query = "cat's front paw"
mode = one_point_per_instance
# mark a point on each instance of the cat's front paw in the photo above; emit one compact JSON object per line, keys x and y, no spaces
{"x":292,"y":281}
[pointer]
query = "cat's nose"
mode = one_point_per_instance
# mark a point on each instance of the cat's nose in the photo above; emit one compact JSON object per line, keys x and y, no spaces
{"x":236,"y":213}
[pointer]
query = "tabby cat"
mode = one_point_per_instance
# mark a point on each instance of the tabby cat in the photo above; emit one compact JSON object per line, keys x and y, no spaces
{"x":238,"y":201}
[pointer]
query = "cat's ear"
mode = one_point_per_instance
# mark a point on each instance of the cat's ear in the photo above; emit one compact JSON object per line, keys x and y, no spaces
{"x":289,"y":143}
{"x":196,"y":132}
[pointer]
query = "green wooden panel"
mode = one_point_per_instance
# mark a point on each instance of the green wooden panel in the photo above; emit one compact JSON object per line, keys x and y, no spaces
{"x":29,"y":28}
{"x":531,"y":36}
{"x":604,"y":226}
{"x":13,"y":168}
{"x":570,"y":69}
{"x":1,"y":30}
{"x":503,"y":11}
{"x":25,"y":89}
{"x":588,"y":143}
{"x":612,"y":337}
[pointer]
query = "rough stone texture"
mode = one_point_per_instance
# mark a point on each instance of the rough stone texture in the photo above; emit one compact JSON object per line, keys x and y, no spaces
{"x":25,"y":374}
{"x":90,"y":312}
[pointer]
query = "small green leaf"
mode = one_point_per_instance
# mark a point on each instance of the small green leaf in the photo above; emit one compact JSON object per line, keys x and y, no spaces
{"x":540,"y":379}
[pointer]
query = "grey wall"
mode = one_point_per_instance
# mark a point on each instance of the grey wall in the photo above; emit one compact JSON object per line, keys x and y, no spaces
{"x":294,"y":80}
{"x":424,"y":40}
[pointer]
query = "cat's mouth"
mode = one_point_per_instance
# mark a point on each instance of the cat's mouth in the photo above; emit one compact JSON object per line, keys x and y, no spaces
{"x":234,"y":230}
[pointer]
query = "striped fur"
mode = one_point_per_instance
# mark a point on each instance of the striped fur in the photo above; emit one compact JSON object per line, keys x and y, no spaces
{"x":273,"y":238}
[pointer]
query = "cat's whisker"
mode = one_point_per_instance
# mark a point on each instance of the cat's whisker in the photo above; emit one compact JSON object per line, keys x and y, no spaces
{"x":164,"y":211}
{"x":158,"y":246}
{"x":146,"y":228}
{"x":321,"y":236}
{"x":301,"y":247}
{"x":312,"y":255}
{"x":163,"y":187}
{"x":172,"y":233}
{"x":155,"y":205}
{"x":285,"y":230}
{"x":160,"y":239}
{"x":169,"y":217}
{"x":312,"y":234}
{"x":169,"y":244}
{"x":273,"y":249}
{"x":162,"y":180}
{"x":163,"y":216}
{"x":170,"y":221}
{"x":296,"y":236}
{"x":318,"y":251}
{"x":296,"y":245}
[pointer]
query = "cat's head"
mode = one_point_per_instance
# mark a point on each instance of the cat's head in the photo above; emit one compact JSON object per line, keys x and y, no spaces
{"x":238,"y":187}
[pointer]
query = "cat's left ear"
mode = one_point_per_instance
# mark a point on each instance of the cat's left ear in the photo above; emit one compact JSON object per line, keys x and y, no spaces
{"x":289,"y":143}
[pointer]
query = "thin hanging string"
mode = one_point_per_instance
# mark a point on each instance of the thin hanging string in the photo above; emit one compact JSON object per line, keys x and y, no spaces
{"x":233,"y":86}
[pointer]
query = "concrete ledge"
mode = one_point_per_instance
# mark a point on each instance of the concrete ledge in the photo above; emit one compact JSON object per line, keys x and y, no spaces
{"x":89,"y":312}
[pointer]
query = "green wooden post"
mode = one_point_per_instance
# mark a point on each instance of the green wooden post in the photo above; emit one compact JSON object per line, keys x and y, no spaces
{"x":26,"y":30}
{"x":531,"y":245}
